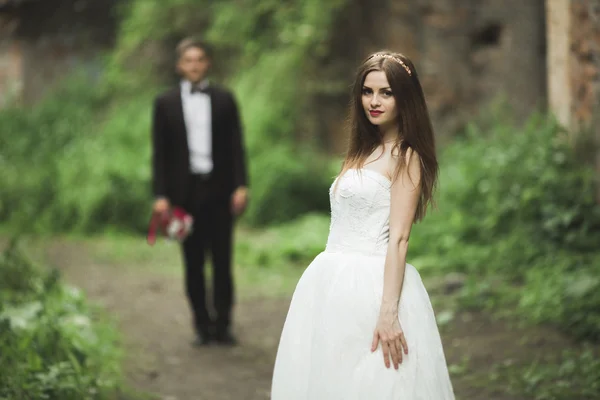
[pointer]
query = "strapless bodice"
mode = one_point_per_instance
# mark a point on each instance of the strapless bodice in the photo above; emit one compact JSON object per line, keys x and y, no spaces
{"x":360,"y":212}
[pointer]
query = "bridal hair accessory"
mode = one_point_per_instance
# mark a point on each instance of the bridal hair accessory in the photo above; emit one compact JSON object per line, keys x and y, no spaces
{"x":175,"y":224}
{"x":393,"y":58}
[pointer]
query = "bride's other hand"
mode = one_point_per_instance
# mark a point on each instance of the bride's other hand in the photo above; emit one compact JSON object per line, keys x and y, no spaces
{"x":393,"y":343}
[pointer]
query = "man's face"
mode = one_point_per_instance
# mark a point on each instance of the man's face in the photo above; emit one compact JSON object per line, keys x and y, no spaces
{"x":193,"y":64}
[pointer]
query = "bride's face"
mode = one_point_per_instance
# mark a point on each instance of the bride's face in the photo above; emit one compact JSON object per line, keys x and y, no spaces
{"x":378,"y":100}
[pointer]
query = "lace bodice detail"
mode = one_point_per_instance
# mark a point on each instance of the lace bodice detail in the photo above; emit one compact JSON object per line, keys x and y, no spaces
{"x":360,"y":212}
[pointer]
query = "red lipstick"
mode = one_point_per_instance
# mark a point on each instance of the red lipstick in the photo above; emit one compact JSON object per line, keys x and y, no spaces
{"x":375,"y":113}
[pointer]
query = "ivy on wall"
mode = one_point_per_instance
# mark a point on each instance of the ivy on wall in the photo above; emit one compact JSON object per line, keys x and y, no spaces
{"x":262,"y":48}
{"x":264,"y":51}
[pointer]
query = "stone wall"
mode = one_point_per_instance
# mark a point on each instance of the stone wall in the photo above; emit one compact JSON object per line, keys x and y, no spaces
{"x":468,"y":53}
{"x":559,"y":59}
{"x":43,"y":41}
{"x":11,"y":62}
{"x":585,"y":72}
{"x":574,"y":70}
{"x":585,"y":61}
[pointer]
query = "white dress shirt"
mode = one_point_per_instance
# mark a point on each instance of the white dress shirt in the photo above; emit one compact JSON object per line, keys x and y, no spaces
{"x":198,"y":124}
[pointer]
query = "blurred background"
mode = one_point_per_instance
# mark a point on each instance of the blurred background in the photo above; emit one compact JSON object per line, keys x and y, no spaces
{"x":511,"y":256}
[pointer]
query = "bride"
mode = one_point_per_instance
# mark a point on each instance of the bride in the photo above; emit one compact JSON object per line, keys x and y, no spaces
{"x":360,"y":325}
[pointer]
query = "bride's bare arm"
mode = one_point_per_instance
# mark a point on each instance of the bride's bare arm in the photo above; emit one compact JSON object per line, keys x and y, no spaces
{"x":405,"y":192}
{"x":404,"y":199}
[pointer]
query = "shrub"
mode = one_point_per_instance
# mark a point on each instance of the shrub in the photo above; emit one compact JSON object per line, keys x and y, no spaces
{"x":51,"y":346}
{"x":287,"y":184}
{"x":517,"y":210}
{"x":293,"y":243}
{"x":90,"y":177}
{"x":79,"y":161}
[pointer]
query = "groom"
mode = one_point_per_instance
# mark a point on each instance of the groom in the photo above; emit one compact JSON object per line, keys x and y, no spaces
{"x":199,"y":164}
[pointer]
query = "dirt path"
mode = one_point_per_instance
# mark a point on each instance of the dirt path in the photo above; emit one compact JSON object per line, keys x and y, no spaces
{"x":154,"y":318}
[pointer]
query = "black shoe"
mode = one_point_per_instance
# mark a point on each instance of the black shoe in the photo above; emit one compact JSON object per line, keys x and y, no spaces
{"x":225,"y":338}
{"x":201,"y":341}
{"x":203,"y":338}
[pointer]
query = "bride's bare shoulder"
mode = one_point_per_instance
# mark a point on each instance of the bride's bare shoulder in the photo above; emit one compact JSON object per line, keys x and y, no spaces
{"x":398,"y":159}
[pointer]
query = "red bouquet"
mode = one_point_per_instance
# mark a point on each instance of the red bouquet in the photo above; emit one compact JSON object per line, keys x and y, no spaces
{"x":175,"y":224}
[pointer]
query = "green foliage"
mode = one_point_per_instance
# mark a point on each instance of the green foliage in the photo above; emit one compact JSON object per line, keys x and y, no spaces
{"x":32,"y":141}
{"x":517,"y":214}
{"x":76,"y":162}
{"x":264,"y":49}
{"x":576,"y":374}
{"x":51,"y":348}
{"x":291,"y":243}
{"x":288,"y":185}
{"x":80,"y":160}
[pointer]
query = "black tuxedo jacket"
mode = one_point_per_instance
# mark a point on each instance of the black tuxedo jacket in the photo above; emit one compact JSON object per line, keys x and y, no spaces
{"x":170,"y":151}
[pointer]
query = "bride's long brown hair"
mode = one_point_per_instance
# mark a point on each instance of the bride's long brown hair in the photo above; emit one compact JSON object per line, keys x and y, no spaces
{"x":415,"y":128}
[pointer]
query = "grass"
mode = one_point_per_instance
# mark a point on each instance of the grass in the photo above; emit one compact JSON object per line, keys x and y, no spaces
{"x":568,"y":374}
{"x":54,"y":343}
{"x":524,"y":369}
{"x":535,"y":362}
{"x":256,"y":274}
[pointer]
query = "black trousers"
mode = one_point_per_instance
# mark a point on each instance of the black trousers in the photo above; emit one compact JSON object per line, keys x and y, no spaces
{"x":212,"y":235}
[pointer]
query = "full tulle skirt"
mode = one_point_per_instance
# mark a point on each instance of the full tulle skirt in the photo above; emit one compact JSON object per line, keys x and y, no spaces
{"x":324,"y":351}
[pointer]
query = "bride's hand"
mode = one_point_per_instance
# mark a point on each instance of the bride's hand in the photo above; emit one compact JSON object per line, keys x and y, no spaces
{"x":393,"y":342}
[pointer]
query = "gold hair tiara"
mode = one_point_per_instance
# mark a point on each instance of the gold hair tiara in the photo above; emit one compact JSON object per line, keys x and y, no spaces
{"x":394,"y":58}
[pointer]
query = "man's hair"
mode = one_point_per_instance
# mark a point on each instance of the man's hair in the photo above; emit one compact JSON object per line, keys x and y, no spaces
{"x":190,"y":42}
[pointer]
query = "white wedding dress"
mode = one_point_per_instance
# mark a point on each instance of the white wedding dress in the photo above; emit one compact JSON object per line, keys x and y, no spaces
{"x":325,"y":348}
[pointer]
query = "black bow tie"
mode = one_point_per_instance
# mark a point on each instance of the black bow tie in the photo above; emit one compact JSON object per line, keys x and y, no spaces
{"x":198,"y":89}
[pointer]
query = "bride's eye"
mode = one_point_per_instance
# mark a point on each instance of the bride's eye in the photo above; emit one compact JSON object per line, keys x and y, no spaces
{"x":366,"y":91}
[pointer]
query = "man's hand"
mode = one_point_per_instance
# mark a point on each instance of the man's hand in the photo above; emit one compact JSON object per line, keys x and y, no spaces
{"x":161,"y":205}
{"x":239,"y":200}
